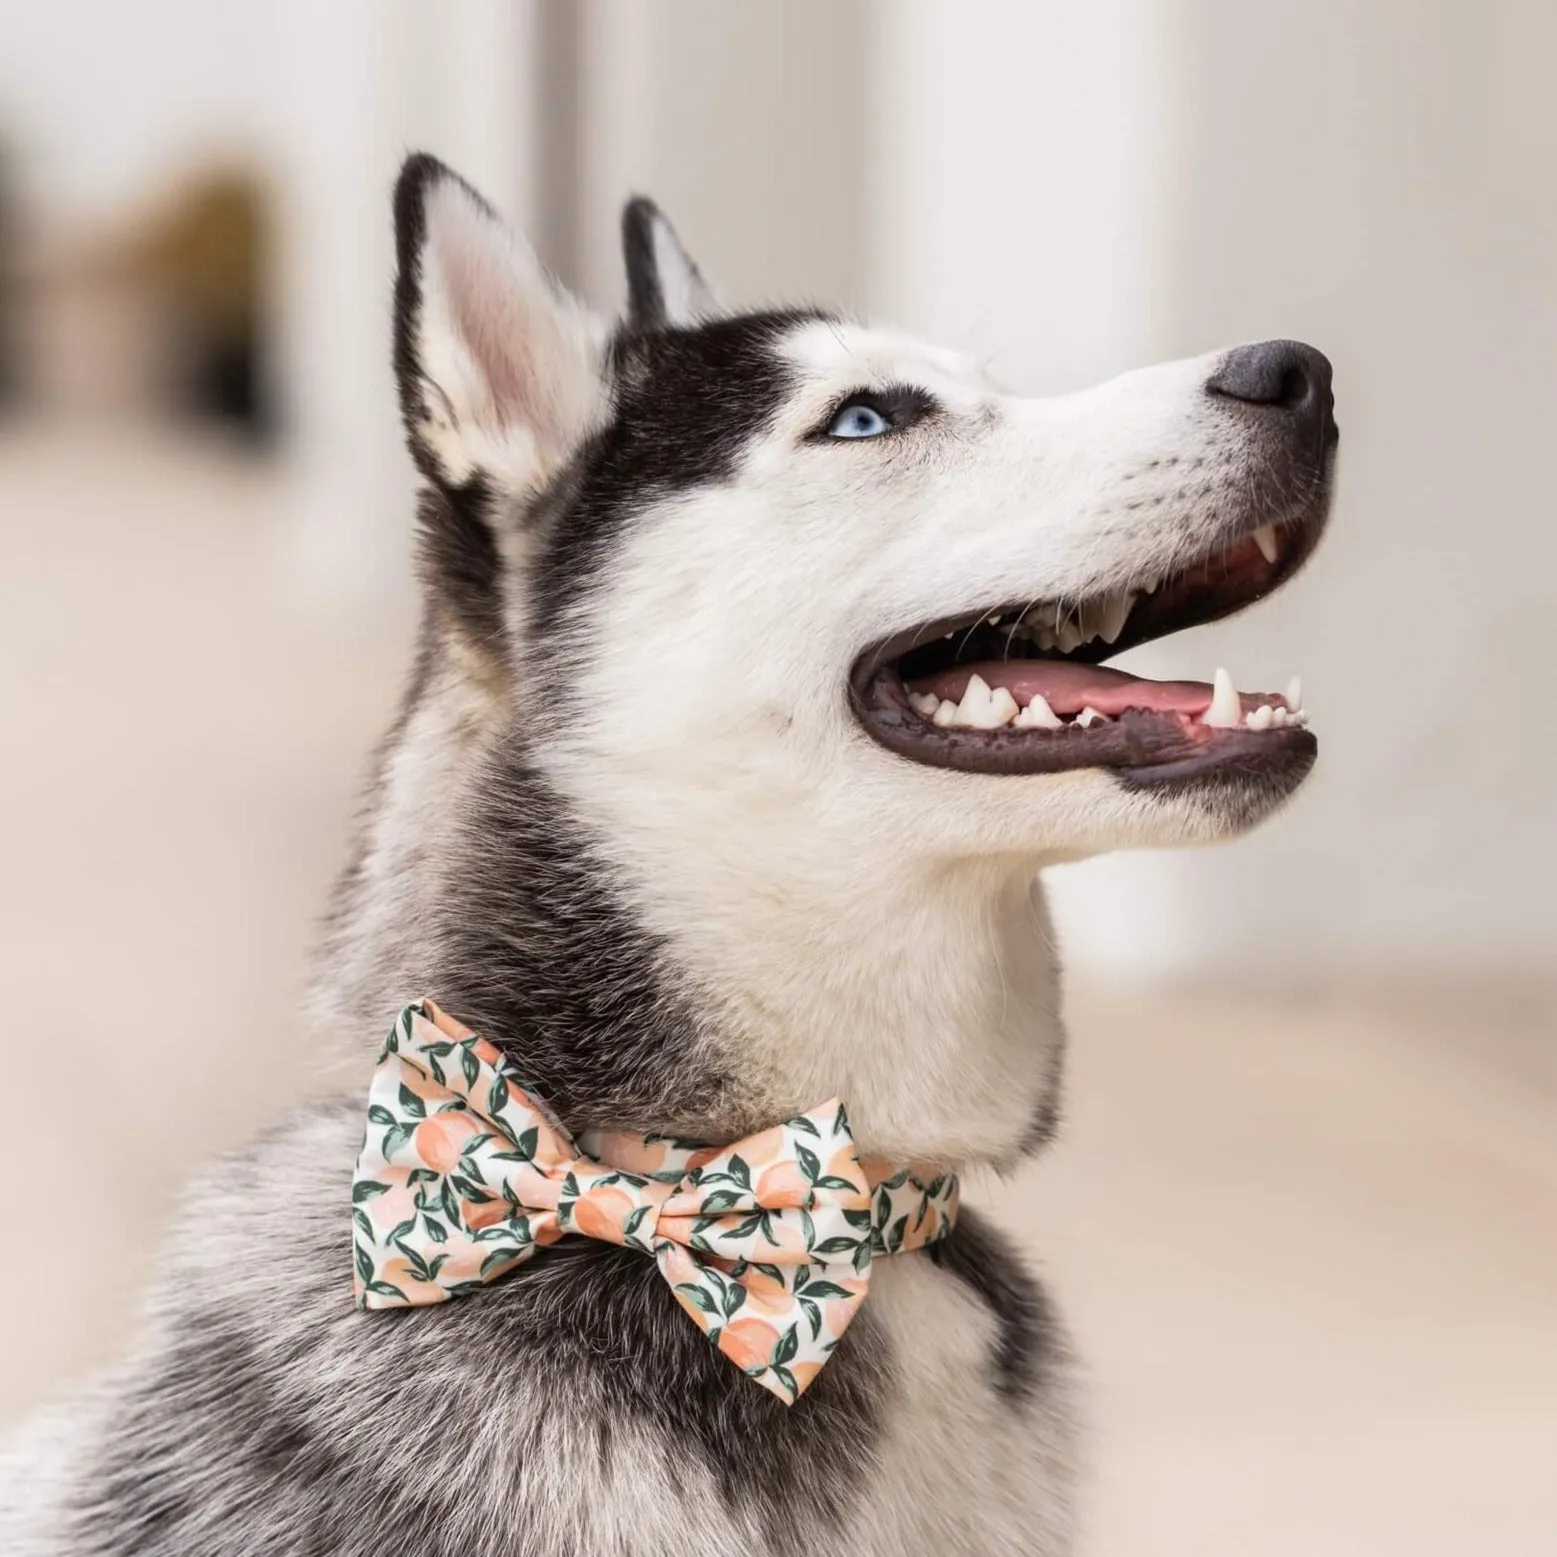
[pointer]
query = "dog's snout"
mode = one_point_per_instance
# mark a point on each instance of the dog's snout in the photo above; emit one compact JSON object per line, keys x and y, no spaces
{"x":1282,"y":375}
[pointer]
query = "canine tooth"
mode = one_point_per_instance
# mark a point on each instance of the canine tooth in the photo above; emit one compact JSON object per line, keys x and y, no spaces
{"x":1038,"y":715}
{"x":1295,"y":693}
{"x":1261,"y":718}
{"x":994,"y":621}
{"x":1090,"y":716}
{"x":1116,"y":613}
{"x":974,"y":709}
{"x":1225,"y":712}
{"x":1265,"y":539}
{"x":1002,"y":707}
{"x":945,"y":714}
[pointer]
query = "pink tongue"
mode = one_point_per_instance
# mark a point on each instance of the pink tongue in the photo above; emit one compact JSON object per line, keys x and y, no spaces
{"x":1070,"y":688}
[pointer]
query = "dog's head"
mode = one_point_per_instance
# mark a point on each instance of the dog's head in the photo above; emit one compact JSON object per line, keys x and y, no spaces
{"x":776,"y":575}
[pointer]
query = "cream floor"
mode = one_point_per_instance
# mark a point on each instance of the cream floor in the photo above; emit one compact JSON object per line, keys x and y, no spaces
{"x":1308,"y":1245}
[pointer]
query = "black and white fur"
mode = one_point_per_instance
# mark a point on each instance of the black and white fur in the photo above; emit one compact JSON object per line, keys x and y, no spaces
{"x":626,"y":826}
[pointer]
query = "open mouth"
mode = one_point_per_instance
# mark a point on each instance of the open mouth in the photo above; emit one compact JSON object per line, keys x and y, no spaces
{"x":1021,"y":689}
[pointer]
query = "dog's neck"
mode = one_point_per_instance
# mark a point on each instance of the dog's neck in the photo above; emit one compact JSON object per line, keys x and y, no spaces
{"x":925,"y":994}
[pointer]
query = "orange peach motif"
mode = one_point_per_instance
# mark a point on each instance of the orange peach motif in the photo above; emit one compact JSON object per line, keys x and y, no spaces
{"x":439,"y":1140}
{"x":748,"y":1343}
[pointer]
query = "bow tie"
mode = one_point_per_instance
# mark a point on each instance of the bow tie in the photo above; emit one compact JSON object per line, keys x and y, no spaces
{"x":767,"y":1244}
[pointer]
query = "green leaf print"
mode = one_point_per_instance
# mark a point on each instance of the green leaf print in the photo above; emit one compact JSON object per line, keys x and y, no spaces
{"x":810,"y":1163}
{"x":360,"y":1220}
{"x":739,"y":1171}
{"x":835,"y":1181}
{"x":435,"y":1229}
{"x":411,"y":1103}
{"x":386,"y":1289}
{"x":402,"y":1230}
{"x":498,"y":1260}
{"x":396,"y":1137}
{"x":787,"y":1379}
{"x":734,"y":1296}
{"x":788,"y":1345}
{"x":697,"y":1296}
{"x":366,"y":1189}
{"x":497,"y":1096}
{"x":835,"y":1245}
{"x":379,"y":1115}
{"x":524,"y":1147}
{"x":803,"y":1125}
{"x":470,"y":1066}
{"x":718,"y":1200}
{"x":364,"y":1265}
{"x":826,"y":1289}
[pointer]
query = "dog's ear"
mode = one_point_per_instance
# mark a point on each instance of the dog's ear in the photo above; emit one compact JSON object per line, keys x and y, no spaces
{"x":499,"y":369}
{"x":665,"y":289}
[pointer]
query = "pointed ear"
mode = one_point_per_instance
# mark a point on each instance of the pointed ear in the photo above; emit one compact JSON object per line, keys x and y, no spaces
{"x":664,"y":288}
{"x":499,"y":369}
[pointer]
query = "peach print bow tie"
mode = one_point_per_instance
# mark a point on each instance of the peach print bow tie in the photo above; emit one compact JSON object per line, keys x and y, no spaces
{"x":767,"y":1244}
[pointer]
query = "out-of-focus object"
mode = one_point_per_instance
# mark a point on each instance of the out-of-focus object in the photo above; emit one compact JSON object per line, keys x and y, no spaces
{"x":165,"y":316}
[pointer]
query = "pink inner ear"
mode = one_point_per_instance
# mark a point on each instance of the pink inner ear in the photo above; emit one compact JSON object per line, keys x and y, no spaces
{"x":503,"y":310}
{"x":484,"y":297}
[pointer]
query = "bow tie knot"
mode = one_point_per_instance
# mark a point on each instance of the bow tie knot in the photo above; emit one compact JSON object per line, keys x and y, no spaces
{"x":767,"y":1244}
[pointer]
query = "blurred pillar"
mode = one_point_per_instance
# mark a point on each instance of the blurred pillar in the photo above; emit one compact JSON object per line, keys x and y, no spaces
{"x":366,"y":81}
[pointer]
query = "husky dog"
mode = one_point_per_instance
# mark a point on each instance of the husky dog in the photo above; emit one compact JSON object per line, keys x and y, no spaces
{"x":759,"y":674}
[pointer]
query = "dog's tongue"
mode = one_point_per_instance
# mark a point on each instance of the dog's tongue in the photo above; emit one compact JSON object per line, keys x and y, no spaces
{"x":1069,"y":688}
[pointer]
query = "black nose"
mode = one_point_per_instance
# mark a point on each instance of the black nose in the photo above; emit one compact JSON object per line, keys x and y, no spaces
{"x":1286,"y":375}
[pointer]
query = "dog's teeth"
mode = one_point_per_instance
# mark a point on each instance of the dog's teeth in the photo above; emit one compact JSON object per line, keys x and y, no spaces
{"x":1038,"y":715}
{"x":1043,"y":637}
{"x":1068,"y":637}
{"x":1295,"y":693}
{"x":924,"y":703}
{"x":973,"y":711}
{"x":994,"y":621}
{"x":1090,"y":716}
{"x":1002,"y":707}
{"x":1278,"y":717}
{"x":1116,"y":612}
{"x":945,"y":714}
{"x":1265,"y":539}
{"x":1225,"y":712}
{"x":1261,"y":718}
{"x":1299,"y":717}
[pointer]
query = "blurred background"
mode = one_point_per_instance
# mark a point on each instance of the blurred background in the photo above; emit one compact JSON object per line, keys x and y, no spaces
{"x":1302,"y":1218}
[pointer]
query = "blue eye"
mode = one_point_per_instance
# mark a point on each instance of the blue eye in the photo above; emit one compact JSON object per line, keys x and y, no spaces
{"x":858,"y":421}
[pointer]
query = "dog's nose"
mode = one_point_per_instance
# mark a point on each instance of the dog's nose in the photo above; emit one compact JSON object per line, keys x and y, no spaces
{"x":1284,"y":375}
